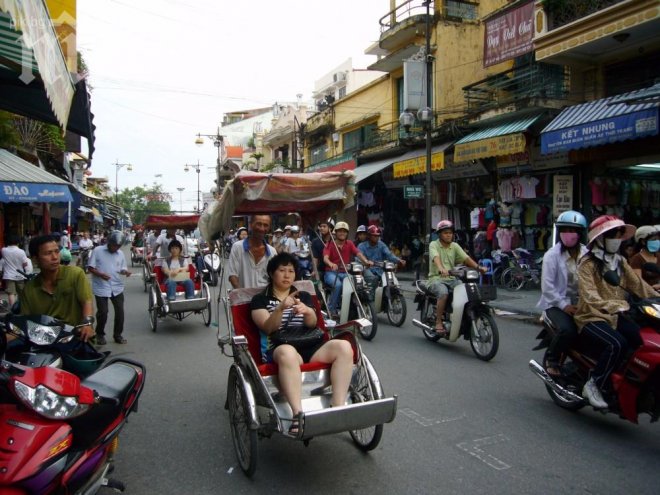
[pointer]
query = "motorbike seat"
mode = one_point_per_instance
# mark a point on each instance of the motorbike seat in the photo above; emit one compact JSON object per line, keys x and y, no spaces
{"x":115,"y":381}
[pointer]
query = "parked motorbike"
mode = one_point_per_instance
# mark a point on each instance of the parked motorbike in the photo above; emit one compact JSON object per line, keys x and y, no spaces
{"x":61,"y":433}
{"x":388,"y":296}
{"x":40,"y":340}
{"x":211,"y":266}
{"x":355,"y":301}
{"x":467,"y":313}
{"x":635,"y":384}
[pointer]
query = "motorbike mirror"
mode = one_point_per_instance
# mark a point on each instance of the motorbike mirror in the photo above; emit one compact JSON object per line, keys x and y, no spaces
{"x":612,"y":278}
{"x":651,"y":267}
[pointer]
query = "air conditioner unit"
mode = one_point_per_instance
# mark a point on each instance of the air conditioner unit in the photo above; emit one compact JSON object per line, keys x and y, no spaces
{"x":338,"y":77}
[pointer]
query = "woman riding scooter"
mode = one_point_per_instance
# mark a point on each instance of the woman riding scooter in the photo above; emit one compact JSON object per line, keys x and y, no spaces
{"x":599,"y":316}
{"x":559,"y":284}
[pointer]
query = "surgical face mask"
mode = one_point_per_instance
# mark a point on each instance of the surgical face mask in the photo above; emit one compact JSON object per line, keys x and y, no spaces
{"x":569,"y":239}
{"x":612,"y":245}
{"x":653,"y":246}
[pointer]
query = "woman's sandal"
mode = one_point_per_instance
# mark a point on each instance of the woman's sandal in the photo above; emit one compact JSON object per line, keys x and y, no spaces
{"x":442,"y":331}
{"x":294,"y":429}
{"x":552,"y":369}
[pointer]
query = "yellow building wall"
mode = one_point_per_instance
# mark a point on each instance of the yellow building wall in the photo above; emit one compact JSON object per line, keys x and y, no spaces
{"x":360,"y":107}
{"x":63,"y":15}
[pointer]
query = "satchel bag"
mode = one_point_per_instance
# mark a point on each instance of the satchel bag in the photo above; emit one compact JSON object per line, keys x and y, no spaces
{"x":299,"y":337}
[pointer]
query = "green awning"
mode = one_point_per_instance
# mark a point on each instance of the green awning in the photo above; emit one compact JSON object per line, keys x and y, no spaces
{"x":500,"y":130}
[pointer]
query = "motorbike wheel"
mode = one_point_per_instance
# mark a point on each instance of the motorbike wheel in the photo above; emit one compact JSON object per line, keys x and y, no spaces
{"x":362,"y":389}
{"x":428,"y":317}
{"x":484,"y":336}
{"x":153,"y":310}
{"x":244,"y":438}
{"x":397,"y":310}
{"x":214,"y":277}
{"x":370,"y":314}
{"x":570,"y":382}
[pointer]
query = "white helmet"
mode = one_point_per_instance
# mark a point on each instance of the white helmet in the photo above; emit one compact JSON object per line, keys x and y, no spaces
{"x":342,"y":225}
{"x":645,"y":231}
{"x":295,"y":229}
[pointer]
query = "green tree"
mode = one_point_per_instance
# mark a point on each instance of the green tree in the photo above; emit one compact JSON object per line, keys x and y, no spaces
{"x":139,"y":202}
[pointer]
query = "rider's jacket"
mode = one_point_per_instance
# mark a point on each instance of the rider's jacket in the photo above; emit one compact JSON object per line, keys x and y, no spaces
{"x":377,"y":252}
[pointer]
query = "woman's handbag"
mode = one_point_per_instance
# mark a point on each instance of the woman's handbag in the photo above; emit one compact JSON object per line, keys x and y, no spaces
{"x":299,"y":337}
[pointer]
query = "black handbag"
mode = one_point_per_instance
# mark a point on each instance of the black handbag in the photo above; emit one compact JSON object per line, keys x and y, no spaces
{"x":299,"y":337}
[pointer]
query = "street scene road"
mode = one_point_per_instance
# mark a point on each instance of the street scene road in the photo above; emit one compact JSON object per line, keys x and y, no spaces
{"x":463,"y":425}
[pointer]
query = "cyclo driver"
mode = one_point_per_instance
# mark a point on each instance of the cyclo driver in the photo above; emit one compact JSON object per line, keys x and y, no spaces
{"x":445,"y":254}
{"x":376,"y":250}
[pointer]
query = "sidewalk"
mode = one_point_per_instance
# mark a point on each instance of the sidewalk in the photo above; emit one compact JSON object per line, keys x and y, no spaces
{"x":521,"y":302}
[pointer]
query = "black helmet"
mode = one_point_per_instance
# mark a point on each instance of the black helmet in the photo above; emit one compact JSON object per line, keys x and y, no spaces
{"x":116,"y":237}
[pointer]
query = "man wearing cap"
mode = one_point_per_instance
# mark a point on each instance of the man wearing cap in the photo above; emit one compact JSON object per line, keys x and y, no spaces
{"x":335,"y":256}
{"x":376,"y":250}
{"x":294,"y":243}
{"x":601,"y":304}
{"x":284,"y":240}
{"x":360,"y":235}
{"x":248,"y":258}
{"x":318,"y":244}
{"x":277,"y":237}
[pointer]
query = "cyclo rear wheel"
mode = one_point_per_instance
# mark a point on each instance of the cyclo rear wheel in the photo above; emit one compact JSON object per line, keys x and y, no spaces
{"x":363,"y":388}
{"x":244,"y":438}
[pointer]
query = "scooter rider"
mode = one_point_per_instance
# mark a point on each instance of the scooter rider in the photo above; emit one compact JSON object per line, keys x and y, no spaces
{"x":600,"y":306}
{"x":335,"y":256}
{"x":445,"y":255}
{"x":559,"y":284}
{"x":318,"y":244}
{"x":376,"y":250}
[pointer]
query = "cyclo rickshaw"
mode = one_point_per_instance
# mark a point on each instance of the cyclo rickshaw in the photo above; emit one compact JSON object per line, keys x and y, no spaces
{"x":159,"y":306}
{"x":257,"y":409}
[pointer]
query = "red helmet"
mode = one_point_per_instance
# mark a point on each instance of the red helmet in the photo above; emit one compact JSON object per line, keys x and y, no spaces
{"x":373,"y":230}
{"x":444,"y":225}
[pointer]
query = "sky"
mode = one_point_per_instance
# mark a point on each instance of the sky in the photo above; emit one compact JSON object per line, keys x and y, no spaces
{"x":162,"y":71}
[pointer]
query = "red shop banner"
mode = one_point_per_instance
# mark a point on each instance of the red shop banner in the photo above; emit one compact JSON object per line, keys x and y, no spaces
{"x":509,"y":35}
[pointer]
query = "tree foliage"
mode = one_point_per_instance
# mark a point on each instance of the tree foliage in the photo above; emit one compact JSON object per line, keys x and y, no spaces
{"x":139,"y":202}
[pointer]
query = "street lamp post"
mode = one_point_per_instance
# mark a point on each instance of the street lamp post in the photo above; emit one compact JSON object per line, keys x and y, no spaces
{"x":197,"y":169}
{"x":180,"y":189}
{"x":118,"y":166}
{"x":219,"y":142}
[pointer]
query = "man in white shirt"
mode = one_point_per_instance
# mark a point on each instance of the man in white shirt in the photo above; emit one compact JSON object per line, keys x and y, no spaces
{"x":14,"y":259}
{"x":85,"y":242}
{"x":294,"y":243}
{"x":106,"y":264}
{"x":162,"y":245}
{"x":65,"y":242}
{"x":248,"y":258}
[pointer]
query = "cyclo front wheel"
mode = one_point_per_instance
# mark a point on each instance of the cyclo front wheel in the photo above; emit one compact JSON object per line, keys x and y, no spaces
{"x":364,"y":388}
{"x":244,"y":438}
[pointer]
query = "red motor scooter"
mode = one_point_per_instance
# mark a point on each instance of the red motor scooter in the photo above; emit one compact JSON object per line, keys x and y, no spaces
{"x":58,"y":433}
{"x":635,"y":384}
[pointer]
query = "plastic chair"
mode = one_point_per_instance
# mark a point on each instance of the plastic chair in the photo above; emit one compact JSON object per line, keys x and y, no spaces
{"x":488,"y":263}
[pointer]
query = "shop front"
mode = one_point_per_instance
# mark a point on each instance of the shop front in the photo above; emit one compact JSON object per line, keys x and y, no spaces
{"x":616,"y":145}
{"x":31,"y":199}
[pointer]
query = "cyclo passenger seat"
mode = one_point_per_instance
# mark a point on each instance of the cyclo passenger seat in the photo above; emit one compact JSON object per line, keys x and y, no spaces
{"x":245,"y":326}
{"x":161,"y":278}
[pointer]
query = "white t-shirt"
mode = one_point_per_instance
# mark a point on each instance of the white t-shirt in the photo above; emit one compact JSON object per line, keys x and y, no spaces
{"x":164,"y":244}
{"x":528,"y":186}
{"x":85,"y":243}
{"x":14,"y":259}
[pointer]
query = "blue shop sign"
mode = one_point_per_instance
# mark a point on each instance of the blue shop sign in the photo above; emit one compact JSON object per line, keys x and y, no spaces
{"x":621,"y":128}
{"x":27,"y":192}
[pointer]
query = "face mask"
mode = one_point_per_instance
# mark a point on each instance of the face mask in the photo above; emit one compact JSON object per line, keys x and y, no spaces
{"x":569,"y":239}
{"x":653,"y":246}
{"x":612,"y":245}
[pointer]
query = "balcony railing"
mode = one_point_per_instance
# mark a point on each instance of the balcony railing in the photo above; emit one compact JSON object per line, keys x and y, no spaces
{"x":411,"y":8}
{"x":561,"y":12}
{"x":535,"y":80}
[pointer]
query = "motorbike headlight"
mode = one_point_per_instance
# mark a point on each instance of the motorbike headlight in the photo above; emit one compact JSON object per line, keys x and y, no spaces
{"x":48,"y":403}
{"x":42,"y":334}
{"x":389,"y":266}
{"x":356,"y":268}
{"x":472,"y":275}
{"x":652,"y":310}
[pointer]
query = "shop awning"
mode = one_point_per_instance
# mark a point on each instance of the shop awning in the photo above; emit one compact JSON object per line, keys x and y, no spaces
{"x":411,"y":164}
{"x":368,"y":169}
{"x":84,"y":209}
{"x":599,"y":122}
{"x":22,"y":182}
{"x":97,"y":215}
{"x":29,"y":47}
{"x":503,"y":139}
